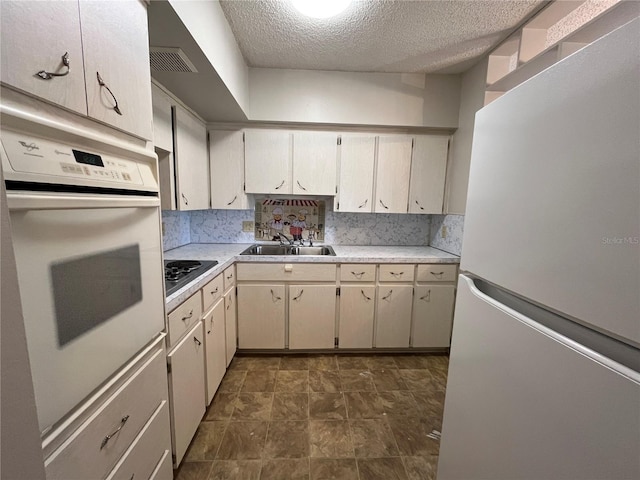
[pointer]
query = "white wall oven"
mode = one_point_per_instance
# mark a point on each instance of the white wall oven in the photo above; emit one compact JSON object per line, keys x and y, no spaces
{"x":85,"y":220}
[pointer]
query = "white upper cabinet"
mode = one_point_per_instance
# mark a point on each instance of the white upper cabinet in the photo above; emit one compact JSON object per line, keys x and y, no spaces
{"x":267,"y":161}
{"x":315,"y":157}
{"x":162,"y":123}
{"x":115,"y":41}
{"x":226,"y":156}
{"x":393,"y":172}
{"x":105,"y":38}
{"x":192,"y":164}
{"x":35,"y":36}
{"x":428,"y":171}
{"x":356,"y":169}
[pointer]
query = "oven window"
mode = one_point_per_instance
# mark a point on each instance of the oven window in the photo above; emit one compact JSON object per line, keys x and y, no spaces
{"x":90,"y":290}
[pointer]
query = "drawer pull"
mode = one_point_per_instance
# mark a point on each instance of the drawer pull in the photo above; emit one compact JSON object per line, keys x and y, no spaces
{"x":106,"y":439}
{"x":363,"y":204}
{"x":49,"y":75}
{"x":198,"y":342}
{"x":299,"y":295}
{"x":230,"y":276}
{"x":438,"y":275}
{"x":213,"y":292}
{"x":188,"y":317}
{"x":274,"y":297}
{"x":365,"y":295}
{"x":397,"y":274}
{"x":388,"y":295}
{"x":426,"y":297}
{"x":358,"y":275}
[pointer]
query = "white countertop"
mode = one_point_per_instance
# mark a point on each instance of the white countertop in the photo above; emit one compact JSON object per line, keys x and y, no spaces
{"x":228,"y":253}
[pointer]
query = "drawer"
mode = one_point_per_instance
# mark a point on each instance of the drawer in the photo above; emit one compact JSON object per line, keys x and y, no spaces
{"x":212,"y":292}
{"x":437,"y":272}
{"x":396,"y":272}
{"x":146,"y":451}
{"x":229,"y":277}
{"x":184,"y":318}
{"x":97,"y":445}
{"x":299,"y":272}
{"x":357,"y":272}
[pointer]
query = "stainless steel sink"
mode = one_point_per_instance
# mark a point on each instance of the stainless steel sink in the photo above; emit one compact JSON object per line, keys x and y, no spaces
{"x":287,"y":250}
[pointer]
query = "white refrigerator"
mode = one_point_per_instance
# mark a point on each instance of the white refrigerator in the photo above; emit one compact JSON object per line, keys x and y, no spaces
{"x":544,"y":379}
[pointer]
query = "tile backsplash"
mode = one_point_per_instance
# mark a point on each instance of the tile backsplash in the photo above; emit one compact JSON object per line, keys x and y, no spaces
{"x":225,"y":226}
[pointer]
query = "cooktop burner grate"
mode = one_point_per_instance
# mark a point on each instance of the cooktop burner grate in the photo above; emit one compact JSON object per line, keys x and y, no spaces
{"x":178,"y":273}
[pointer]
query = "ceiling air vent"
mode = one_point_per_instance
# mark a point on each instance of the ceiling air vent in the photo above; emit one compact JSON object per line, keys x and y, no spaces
{"x":170,"y":59}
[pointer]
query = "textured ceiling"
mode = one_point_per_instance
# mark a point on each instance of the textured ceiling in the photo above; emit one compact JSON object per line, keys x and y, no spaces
{"x":374,"y":35}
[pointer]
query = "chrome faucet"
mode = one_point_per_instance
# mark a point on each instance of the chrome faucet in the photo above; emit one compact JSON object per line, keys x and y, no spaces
{"x":282,"y":235}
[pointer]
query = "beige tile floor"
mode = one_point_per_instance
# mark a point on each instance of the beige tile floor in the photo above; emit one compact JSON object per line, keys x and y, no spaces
{"x":322,"y":417}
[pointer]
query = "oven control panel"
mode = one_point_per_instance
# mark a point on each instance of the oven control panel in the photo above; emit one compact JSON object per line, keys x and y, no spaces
{"x":57,"y":162}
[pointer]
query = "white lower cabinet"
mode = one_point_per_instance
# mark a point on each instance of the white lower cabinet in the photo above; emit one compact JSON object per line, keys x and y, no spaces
{"x":312,"y":316}
{"x":357,"y":310}
{"x":186,"y":389}
{"x":230,"y":318}
{"x":215,"y":348}
{"x":393,"y":322}
{"x":432,"y":315}
{"x":261,"y":316}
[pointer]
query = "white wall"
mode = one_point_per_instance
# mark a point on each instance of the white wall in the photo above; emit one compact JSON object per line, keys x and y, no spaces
{"x":281,"y":95}
{"x":207,"y":24}
{"x":471,"y":100}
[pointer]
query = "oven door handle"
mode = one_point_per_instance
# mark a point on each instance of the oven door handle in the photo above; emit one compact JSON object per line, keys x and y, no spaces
{"x":49,"y":201}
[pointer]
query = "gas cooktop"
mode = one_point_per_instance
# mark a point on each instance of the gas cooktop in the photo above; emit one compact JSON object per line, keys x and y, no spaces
{"x":177,"y":273}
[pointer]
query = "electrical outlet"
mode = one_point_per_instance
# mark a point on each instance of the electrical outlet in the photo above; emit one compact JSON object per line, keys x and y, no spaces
{"x":247,"y":226}
{"x":444,"y":231}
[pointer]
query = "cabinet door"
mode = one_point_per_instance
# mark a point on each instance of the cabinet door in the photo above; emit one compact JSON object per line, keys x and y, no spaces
{"x":192,"y":164}
{"x":356,"y":316}
{"x":115,"y":42}
{"x":35,"y":36}
{"x":226,"y":156}
{"x":261,"y":310}
{"x":428,"y":171}
{"x":393,"y":322}
{"x":393,"y":170}
{"x":231,"y":331}
{"x":215,"y":349}
{"x":356,"y":164}
{"x":267,"y":161}
{"x":186,"y":390}
{"x":312,"y":316}
{"x":315,"y":157}
{"x":162,"y":121}
{"x":432,"y":315}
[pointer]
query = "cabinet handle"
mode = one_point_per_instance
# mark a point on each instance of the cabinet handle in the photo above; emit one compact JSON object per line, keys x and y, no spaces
{"x":198,"y":342}
{"x":274,"y":297}
{"x":382,"y":203}
{"x":358,"y":275}
{"x":421,"y":207}
{"x":106,"y":439}
{"x":388,"y":295}
{"x":234,"y":199}
{"x":228,"y":305}
{"x":438,"y":275}
{"x":210,"y":326}
{"x":427,"y":296}
{"x":230,"y":276}
{"x":364,"y":295}
{"x":188,"y":317}
{"x":116,"y":108}
{"x":397,"y":274}
{"x":279,"y":186}
{"x":213,"y":292}
{"x":301,"y":186}
{"x":299,"y":295}
{"x":49,"y":75}
{"x":364,"y":204}
{"x":186,"y":201}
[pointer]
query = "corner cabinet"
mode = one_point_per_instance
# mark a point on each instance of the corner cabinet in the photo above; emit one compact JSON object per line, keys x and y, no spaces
{"x":191,"y":161}
{"x":428,"y":171}
{"x":226,"y":157}
{"x":37,"y":35}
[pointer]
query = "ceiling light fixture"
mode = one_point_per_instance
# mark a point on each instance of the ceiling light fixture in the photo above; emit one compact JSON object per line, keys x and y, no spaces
{"x":320,"y":8}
